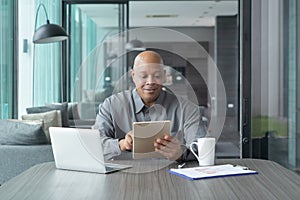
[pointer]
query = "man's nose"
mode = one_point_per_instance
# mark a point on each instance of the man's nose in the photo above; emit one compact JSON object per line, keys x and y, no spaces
{"x":150,"y":80}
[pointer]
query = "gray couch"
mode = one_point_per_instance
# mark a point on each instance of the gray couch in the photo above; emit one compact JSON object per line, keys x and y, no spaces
{"x":25,"y":145}
{"x":14,"y":159}
{"x":22,"y":145}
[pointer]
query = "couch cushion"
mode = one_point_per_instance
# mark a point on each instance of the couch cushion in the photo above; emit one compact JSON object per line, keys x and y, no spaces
{"x":63,"y":107}
{"x":51,"y":118}
{"x":73,"y":111}
{"x":18,"y":132}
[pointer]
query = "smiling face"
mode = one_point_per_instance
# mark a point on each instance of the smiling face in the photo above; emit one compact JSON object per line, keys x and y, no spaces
{"x":147,"y":75}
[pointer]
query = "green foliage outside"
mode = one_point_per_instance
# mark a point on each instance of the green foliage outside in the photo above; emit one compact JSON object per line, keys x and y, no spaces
{"x":263,"y":124}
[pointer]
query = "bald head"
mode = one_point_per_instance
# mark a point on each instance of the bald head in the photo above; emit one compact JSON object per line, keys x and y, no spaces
{"x":147,"y":57}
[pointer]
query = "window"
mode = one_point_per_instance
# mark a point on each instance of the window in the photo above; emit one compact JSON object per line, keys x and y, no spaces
{"x":47,"y":60}
{"x":90,"y":52}
{"x":7,"y":64}
{"x":275,"y":82}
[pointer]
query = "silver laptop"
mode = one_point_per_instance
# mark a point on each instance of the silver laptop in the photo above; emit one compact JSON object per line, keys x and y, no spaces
{"x":80,"y":150}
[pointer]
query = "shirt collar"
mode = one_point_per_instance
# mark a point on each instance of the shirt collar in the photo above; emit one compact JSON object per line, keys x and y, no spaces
{"x":139,"y":104}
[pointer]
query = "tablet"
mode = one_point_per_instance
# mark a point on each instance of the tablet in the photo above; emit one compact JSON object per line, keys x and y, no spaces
{"x":144,"y":135}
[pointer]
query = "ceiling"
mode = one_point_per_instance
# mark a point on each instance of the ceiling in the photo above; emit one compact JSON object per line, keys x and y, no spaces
{"x":162,"y":13}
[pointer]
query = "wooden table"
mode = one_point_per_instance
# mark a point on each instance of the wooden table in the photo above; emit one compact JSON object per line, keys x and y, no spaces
{"x":44,"y":181}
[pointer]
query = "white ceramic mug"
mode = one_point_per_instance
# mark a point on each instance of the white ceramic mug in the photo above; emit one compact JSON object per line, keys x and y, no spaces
{"x":206,"y":151}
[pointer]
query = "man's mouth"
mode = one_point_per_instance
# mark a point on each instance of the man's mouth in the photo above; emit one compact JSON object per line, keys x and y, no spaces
{"x":149,"y":90}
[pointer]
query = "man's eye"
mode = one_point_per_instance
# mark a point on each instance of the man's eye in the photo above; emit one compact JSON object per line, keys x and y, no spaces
{"x":157,"y":76}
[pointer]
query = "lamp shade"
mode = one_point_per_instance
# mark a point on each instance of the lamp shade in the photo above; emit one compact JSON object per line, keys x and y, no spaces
{"x":49,"y":33}
{"x":135,"y":45}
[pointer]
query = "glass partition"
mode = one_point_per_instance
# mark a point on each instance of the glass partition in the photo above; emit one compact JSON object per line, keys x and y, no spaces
{"x":97,"y":66}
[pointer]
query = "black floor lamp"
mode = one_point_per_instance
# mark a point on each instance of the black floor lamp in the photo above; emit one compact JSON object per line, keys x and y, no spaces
{"x":46,"y":33}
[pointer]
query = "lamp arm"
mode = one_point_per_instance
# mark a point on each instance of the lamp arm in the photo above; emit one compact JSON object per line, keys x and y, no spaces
{"x":37,"y":13}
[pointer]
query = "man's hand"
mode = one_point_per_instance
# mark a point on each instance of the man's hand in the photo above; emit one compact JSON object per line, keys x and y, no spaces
{"x":126,"y":144}
{"x":168,"y":147}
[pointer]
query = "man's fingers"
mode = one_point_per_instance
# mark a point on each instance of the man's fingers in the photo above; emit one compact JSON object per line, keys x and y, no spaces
{"x":168,"y":138}
{"x":130,"y":134}
{"x":170,"y":142}
{"x":171,"y":154}
{"x":126,"y":143}
{"x":163,"y":141}
{"x":128,"y":139}
{"x":169,"y":147}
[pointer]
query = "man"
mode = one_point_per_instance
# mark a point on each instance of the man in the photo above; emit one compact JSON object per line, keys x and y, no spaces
{"x":148,"y":102}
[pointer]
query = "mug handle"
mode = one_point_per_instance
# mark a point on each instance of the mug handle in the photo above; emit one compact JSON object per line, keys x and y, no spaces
{"x":191,"y":149}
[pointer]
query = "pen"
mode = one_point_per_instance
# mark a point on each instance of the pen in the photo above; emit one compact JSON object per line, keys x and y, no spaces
{"x":181,"y":165}
{"x":243,"y":167}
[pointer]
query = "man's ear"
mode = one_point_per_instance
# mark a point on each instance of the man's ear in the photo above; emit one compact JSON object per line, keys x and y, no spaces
{"x":132,"y":74}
